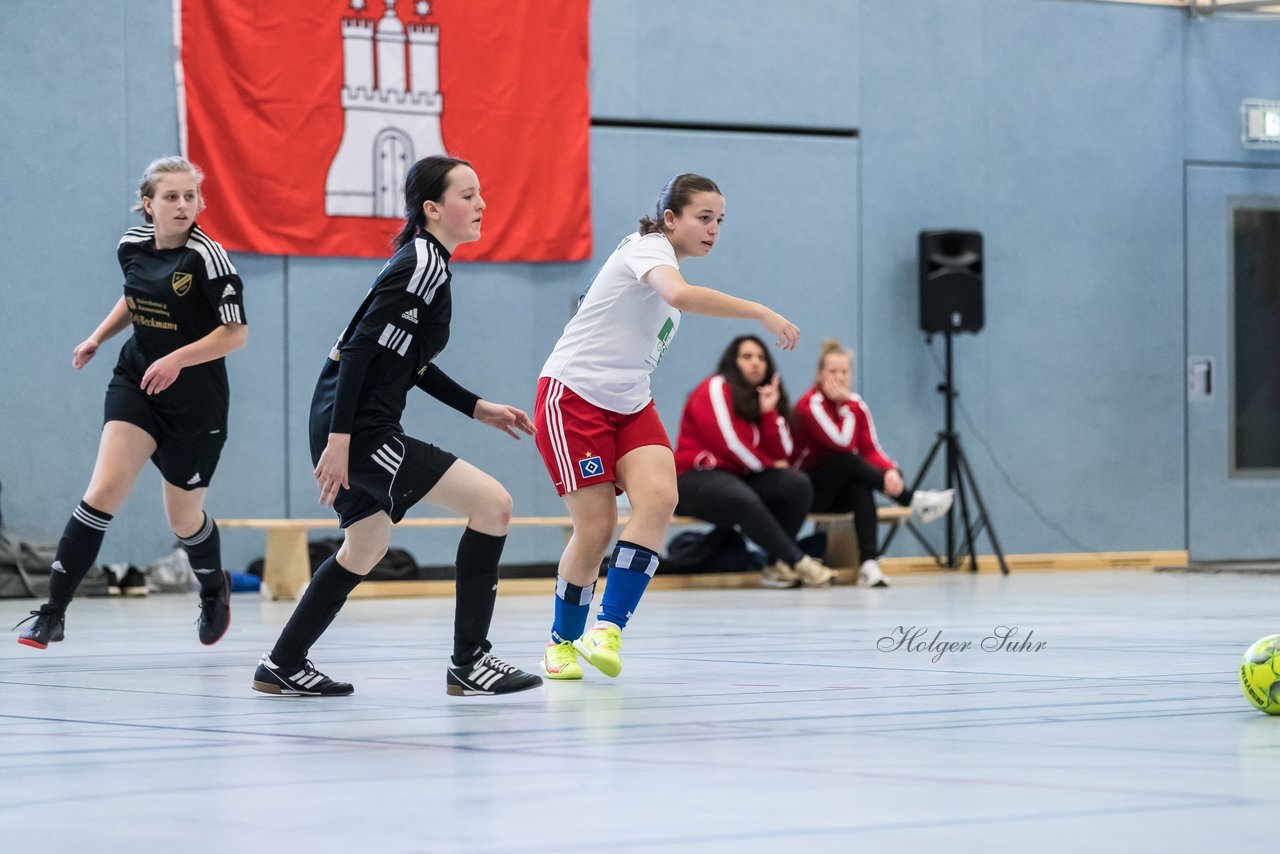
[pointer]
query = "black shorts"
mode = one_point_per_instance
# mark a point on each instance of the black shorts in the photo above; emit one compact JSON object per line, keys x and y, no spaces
{"x":389,"y":472}
{"x":189,"y":435}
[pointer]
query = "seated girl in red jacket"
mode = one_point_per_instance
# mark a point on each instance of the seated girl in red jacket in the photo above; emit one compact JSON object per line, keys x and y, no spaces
{"x":732,"y":462}
{"x":836,"y":446}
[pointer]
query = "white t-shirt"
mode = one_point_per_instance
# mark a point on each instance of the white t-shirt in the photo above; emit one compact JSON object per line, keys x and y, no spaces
{"x":621,"y":330}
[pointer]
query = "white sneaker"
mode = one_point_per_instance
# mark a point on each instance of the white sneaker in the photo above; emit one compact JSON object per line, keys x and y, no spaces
{"x":930,"y":504}
{"x":871,"y":574}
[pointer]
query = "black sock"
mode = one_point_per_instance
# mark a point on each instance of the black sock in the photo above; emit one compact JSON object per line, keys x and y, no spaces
{"x":316,"y":609}
{"x":77,"y":550}
{"x":477,"y":589}
{"x":204,"y":550}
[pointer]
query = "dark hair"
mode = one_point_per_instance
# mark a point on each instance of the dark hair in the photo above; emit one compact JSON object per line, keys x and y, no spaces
{"x":746,"y":400}
{"x":427,"y":180}
{"x":675,"y":197}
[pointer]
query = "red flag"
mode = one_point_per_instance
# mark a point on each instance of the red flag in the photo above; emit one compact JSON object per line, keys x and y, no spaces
{"x":305,"y":114}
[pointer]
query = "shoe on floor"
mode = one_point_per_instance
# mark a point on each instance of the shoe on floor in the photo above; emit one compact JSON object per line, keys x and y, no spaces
{"x":49,"y":627}
{"x":930,"y":504}
{"x":814,"y":573}
{"x":600,"y":646}
{"x":779,"y":576}
{"x":306,"y":681}
{"x":488,"y":675}
{"x":872,"y":575}
{"x":560,"y":661}
{"x":133,"y":582}
{"x":113,"y":580}
{"x":215,"y":611}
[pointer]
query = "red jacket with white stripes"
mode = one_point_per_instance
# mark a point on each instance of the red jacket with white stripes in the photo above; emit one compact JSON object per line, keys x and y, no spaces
{"x":713,"y":436}
{"x":824,"y":428}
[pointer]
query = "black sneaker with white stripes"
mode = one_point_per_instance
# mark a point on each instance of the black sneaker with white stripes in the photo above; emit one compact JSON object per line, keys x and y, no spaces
{"x":487,"y":675}
{"x":304,"y":682}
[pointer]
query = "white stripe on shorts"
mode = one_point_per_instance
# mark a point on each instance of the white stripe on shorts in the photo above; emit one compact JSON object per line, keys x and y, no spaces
{"x":560,"y":442}
{"x":387,"y":458}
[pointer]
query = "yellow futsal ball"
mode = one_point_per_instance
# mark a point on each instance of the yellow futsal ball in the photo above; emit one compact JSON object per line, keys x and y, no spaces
{"x":1260,"y":674}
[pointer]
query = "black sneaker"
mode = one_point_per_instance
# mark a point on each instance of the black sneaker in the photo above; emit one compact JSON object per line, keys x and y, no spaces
{"x":215,"y":612}
{"x":306,"y":682}
{"x":134,"y":583}
{"x":47,"y":628}
{"x":113,"y":581}
{"x":488,"y":674}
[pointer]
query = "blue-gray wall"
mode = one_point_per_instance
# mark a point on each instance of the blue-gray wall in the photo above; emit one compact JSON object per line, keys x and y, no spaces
{"x":1060,"y":129}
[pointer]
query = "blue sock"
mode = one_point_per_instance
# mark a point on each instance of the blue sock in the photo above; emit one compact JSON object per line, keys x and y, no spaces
{"x":573,"y":603}
{"x":630,"y":569}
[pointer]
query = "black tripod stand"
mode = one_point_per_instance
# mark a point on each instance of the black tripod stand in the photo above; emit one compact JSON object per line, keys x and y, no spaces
{"x":960,"y":477}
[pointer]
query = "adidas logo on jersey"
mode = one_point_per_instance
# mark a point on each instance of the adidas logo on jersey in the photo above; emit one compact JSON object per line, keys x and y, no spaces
{"x":228,"y":291}
{"x":411,"y":315}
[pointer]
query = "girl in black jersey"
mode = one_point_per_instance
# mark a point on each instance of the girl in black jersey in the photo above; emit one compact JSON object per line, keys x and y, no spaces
{"x":371,"y":473}
{"x":167,"y":400}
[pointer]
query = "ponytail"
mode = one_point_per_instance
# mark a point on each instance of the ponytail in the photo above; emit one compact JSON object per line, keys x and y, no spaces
{"x":427,"y":180}
{"x":675,"y":197}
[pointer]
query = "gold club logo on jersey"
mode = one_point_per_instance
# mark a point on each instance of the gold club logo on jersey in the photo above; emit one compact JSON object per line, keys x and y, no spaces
{"x":181,"y":283}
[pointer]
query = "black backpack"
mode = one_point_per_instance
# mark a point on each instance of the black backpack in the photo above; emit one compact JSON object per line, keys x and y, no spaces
{"x":717,"y":550}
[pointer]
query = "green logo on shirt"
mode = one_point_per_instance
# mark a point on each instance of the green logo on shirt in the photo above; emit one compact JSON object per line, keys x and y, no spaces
{"x":664,"y":338}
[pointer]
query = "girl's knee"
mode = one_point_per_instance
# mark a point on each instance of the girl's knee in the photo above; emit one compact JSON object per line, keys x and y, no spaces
{"x":104,"y":499}
{"x":493,"y":512}
{"x":360,"y":560}
{"x":503,"y":505}
{"x":185,"y":523}
{"x":658,"y":502}
{"x":594,"y":537}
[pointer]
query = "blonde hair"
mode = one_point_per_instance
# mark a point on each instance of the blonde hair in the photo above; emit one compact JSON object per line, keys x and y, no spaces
{"x":166,"y":166}
{"x":830,"y":346}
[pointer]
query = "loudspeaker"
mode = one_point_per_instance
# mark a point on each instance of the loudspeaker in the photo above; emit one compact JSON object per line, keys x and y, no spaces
{"x":951,"y":281}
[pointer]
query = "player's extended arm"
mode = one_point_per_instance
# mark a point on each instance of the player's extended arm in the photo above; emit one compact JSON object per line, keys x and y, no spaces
{"x":679,"y":294}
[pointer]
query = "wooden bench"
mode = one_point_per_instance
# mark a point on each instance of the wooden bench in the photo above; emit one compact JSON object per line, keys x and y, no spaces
{"x":287,"y":565}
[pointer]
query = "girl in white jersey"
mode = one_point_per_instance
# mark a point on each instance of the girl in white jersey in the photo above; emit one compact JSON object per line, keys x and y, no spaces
{"x":598,"y":431}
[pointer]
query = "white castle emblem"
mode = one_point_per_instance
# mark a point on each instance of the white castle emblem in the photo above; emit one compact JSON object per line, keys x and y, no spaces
{"x":391,"y":114}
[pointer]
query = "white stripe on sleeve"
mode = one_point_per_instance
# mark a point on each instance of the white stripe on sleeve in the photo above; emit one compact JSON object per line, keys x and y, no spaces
{"x":842,"y":435}
{"x":871,"y":425}
{"x":784,"y":432}
{"x":724,"y":420}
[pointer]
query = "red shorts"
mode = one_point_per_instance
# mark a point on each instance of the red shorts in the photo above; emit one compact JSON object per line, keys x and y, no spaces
{"x":581,"y":443}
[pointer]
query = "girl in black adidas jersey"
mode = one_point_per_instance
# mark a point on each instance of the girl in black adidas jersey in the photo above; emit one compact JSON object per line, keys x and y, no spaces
{"x":167,"y":399}
{"x":371,"y":473}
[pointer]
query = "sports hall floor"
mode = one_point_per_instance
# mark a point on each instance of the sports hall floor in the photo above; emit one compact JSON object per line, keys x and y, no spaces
{"x":744,"y":721}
